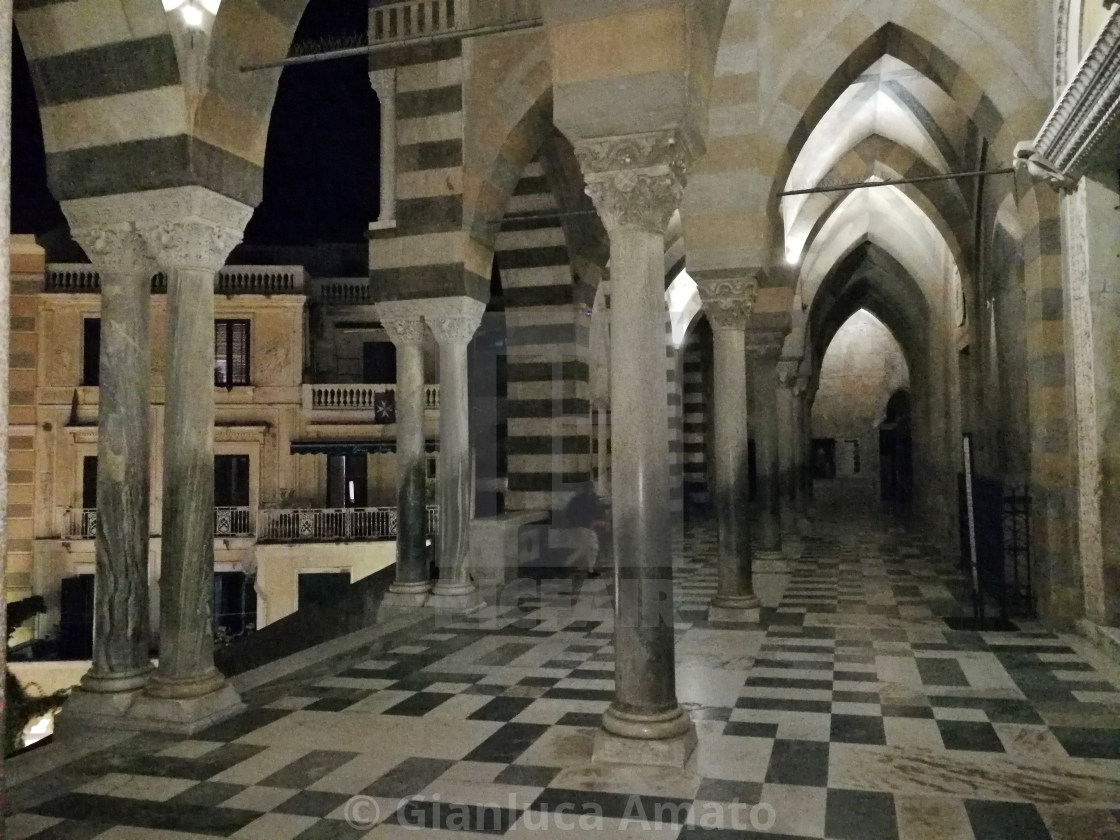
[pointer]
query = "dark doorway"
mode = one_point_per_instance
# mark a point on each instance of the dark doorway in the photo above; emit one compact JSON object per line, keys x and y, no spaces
{"x":231,"y":481}
{"x":89,"y":482}
{"x":379,"y":362}
{"x":347,"y":486}
{"x":896,"y":477}
{"x":235,"y":604}
{"x":824,"y":458}
{"x":75,"y":626}
{"x":322,"y":588}
{"x":91,"y":351}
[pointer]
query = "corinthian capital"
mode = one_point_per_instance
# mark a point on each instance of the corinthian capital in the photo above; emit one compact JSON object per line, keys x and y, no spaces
{"x":636,"y":180}
{"x":453,"y":320}
{"x":728,"y":301}
{"x":115,"y":249}
{"x":403,"y":320}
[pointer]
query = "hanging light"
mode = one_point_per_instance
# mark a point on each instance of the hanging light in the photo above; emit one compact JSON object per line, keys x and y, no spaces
{"x":193,"y":12}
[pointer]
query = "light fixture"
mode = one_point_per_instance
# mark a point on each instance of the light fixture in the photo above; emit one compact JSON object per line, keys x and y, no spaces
{"x":193,"y":12}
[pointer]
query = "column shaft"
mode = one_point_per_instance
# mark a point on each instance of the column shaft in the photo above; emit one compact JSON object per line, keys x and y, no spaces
{"x":454,"y":469}
{"x":412,"y":471}
{"x":768,"y":489}
{"x":123,"y":633}
{"x":186,"y":662}
{"x":729,"y":368}
{"x":645,"y":684}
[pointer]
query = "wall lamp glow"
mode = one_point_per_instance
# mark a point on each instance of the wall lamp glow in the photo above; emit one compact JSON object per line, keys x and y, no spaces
{"x":193,"y":12}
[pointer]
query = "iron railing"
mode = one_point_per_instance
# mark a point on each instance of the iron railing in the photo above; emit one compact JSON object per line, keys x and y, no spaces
{"x":286,"y":525}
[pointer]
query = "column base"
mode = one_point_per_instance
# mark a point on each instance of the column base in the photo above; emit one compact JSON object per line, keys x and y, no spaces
{"x":744,"y":610}
{"x":665,"y":740}
{"x":85,"y":709}
{"x":183,"y":715}
{"x":769,"y":562}
{"x":454,"y":596}
{"x":116,"y":682}
{"x":407,"y":595}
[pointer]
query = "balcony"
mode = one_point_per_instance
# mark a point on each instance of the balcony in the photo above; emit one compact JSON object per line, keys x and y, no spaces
{"x":420,"y":18}
{"x":290,"y":525}
{"x":359,"y":403}
{"x":342,"y":292}
{"x":81,"y":523}
{"x":82,"y":278}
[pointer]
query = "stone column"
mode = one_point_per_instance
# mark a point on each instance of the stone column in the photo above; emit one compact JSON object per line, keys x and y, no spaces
{"x":636,"y":183}
{"x":384,"y":84}
{"x":789,"y":441}
{"x":803,"y":451}
{"x":765,"y":347}
{"x":603,"y":487}
{"x":5,"y":311}
{"x":406,"y":329}
{"x":453,"y":322}
{"x":728,"y":302}
{"x":187,"y":692}
{"x":122,"y":636}
{"x":807,"y":397}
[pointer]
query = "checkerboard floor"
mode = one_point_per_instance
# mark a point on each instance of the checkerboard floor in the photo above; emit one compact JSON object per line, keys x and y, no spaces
{"x":852,"y":712}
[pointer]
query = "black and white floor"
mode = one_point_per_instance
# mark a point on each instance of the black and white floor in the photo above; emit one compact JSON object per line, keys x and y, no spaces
{"x":853,"y":713}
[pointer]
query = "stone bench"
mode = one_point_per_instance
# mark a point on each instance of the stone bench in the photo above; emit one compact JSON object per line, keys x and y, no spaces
{"x":495,"y":549}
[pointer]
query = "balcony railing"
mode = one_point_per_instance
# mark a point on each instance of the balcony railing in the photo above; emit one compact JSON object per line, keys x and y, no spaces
{"x":81,"y":523}
{"x":414,"y":18}
{"x":335,"y":524}
{"x":360,"y":397}
{"x":82,"y":278}
{"x":342,"y":292}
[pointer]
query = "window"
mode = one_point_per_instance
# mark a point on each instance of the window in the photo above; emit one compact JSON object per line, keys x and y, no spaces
{"x":231,"y":353}
{"x":346,"y":481}
{"x":231,"y":481}
{"x":91,"y":351}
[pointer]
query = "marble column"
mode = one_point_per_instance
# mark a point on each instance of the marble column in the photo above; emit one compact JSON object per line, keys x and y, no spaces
{"x":121,"y":659}
{"x":5,"y":310}
{"x":728,"y":302}
{"x":789,"y":441}
{"x":804,"y":450}
{"x":384,"y":84}
{"x":412,"y":583}
{"x":636,"y":183}
{"x":764,"y":348}
{"x":453,"y":322}
{"x":187,"y":692}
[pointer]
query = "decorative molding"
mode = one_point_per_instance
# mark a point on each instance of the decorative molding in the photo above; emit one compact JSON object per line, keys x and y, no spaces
{"x":1087,"y":112}
{"x":727,"y":301}
{"x":636,"y":181}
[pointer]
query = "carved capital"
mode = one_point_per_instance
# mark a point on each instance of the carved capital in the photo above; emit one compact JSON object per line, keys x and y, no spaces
{"x":404,"y":331}
{"x":116,"y":249}
{"x":765,"y":345}
{"x":192,"y":244}
{"x":787,"y":375}
{"x":636,"y":181}
{"x":728,"y":301}
{"x":453,"y":320}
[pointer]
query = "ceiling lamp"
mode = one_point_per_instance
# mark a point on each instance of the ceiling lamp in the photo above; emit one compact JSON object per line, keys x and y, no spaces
{"x":193,"y":12}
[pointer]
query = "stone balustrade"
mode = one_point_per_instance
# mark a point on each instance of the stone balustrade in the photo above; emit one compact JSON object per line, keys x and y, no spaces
{"x":342,"y":292}
{"x":419,"y":18}
{"x":82,"y":278}
{"x":359,"y":397}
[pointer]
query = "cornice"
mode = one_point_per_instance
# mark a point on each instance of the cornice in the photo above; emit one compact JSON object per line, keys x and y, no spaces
{"x":1087,"y":112}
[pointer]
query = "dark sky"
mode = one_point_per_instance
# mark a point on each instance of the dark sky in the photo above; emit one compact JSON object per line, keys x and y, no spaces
{"x":320,"y":174}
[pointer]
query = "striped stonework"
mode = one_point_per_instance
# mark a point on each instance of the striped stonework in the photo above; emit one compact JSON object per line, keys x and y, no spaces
{"x":694,"y":414}
{"x":673,"y":365}
{"x":1053,"y":503}
{"x":547,"y":331}
{"x":426,"y":254}
{"x":116,"y":115}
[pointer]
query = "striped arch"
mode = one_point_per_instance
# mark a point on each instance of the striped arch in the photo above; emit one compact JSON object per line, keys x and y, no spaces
{"x":941,"y":201}
{"x":1001,"y":116}
{"x":117,"y":116}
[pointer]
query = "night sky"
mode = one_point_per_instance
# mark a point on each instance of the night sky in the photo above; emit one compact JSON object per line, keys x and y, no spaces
{"x":320,"y":173}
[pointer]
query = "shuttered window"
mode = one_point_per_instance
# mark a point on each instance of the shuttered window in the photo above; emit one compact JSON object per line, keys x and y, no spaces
{"x":231,"y":352}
